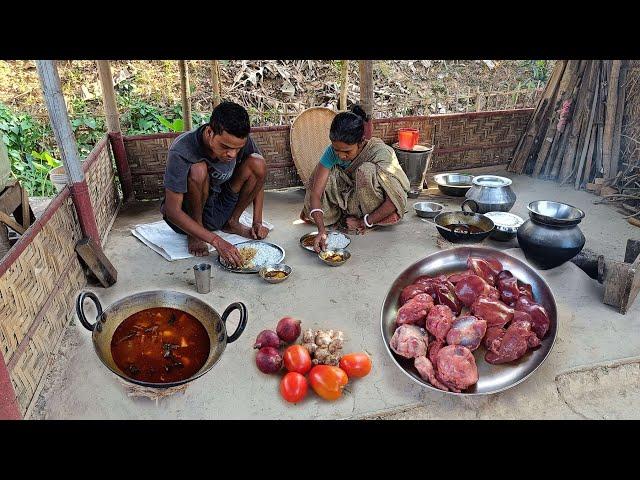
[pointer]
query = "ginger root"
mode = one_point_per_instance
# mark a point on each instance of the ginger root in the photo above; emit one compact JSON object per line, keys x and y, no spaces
{"x":324,"y":346}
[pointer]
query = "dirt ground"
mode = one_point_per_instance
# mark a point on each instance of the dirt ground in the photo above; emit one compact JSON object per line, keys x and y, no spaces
{"x":591,"y":372}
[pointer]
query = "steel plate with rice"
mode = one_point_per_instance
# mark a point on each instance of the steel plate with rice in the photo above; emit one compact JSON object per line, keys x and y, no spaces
{"x":334,"y":240}
{"x":255,"y":254}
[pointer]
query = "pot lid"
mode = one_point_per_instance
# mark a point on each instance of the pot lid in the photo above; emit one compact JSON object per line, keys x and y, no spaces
{"x":505,"y":221}
{"x":491,"y":181}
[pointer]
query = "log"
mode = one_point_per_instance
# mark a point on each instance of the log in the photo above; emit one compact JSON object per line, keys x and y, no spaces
{"x":552,"y":131}
{"x":617,"y":129}
{"x":567,"y":167}
{"x":632,"y":251}
{"x":634,"y":221}
{"x":527,"y":141}
{"x":96,"y":260}
{"x":610,"y":119}
{"x":582,"y":162}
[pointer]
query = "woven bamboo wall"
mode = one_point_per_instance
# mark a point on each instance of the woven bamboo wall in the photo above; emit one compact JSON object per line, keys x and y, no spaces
{"x":100,"y":176}
{"x":387,"y":128}
{"x":482,"y":139}
{"x":465,"y":140}
{"x":41,"y":278}
{"x":147,"y":156}
{"x":37,"y":292}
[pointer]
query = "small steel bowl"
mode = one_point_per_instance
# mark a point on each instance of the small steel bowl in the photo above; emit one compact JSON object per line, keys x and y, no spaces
{"x":278,"y":267}
{"x":340,"y":251}
{"x":427,"y":209}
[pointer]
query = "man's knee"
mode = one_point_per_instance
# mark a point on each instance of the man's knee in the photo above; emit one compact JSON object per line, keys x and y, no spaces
{"x":198,"y":173}
{"x":257,"y":165}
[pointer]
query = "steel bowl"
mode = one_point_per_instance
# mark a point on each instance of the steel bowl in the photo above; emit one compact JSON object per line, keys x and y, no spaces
{"x":454,"y":184}
{"x":492,"y":378}
{"x":341,"y":251}
{"x":463,"y":218}
{"x":427,"y":209}
{"x":278,"y":267}
{"x":555,"y":213}
{"x":507,"y":225}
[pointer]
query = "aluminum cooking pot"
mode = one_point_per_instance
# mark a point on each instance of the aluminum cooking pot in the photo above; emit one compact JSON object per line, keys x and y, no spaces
{"x":107,"y":322}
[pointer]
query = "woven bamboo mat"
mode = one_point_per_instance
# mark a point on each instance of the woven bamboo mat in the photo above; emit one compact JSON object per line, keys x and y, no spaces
{"x":310,"y":138}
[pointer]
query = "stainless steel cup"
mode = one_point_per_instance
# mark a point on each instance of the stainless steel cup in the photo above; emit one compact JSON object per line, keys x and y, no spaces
{"x":203,"y":277}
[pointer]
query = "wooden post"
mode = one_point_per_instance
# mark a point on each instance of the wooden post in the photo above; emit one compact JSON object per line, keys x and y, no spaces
{"x":113,"y":127}
{"x":366,"y":93}
{"x":61,"y":126}
{"x":186,"y":95}
{"x":216,"y":96}
{"x":344,"y":84}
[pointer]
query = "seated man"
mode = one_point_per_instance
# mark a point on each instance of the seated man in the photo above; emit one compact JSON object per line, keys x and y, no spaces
{"x":357,"y":179}
{"x":212,"y":174}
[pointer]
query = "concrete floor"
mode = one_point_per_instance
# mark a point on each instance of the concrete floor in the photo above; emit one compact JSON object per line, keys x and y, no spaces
{"x":592,"y":372}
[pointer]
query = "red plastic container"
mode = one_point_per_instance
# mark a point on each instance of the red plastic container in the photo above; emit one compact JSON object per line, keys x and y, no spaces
{"x":407,"y":138}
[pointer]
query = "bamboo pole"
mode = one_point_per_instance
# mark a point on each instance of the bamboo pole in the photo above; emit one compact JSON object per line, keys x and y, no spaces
{"x":113,"y":127}
{"x":610,"y":171}
{"x":366,"y":92}
{"x":57,"y":109}
{"x":344,"y":83}
{"x":186,"y":95}
{"x":108,"y":96}
{"x":215,"y":83}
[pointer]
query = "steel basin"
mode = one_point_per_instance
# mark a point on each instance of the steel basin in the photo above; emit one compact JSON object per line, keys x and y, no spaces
{"x":492,"y":378}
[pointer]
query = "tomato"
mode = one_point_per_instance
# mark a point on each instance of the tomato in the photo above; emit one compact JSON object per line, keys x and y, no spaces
{"x":356,"y":364}
{"x":293,"y":387}
{"x":297,"y":359}
{"x":328,"y":381}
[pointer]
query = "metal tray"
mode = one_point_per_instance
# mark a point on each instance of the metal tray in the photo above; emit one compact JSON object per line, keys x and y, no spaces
{"x":492,"y":378}
{"x":313,"y":234}
{"x":251,"y":243}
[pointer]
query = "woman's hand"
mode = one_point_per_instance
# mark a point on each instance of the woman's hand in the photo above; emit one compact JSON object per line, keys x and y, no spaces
{"x":356,"y":224}
{"x":320,"y":243}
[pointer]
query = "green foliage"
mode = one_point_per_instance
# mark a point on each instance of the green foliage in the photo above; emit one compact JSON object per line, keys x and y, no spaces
{"x":26,"y":141}
{"x":537,"y":71}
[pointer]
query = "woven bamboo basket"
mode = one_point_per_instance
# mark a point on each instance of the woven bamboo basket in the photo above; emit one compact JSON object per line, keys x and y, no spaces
{"x":310,"y":138}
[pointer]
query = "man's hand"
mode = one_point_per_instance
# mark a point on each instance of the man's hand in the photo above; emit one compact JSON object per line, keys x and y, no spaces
{"x":320,"y":242}
{"x":259,"y":231}
{"x":228,"y":252}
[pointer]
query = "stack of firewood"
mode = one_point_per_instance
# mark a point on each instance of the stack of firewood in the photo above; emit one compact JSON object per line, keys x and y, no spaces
{"x":574,"y":134}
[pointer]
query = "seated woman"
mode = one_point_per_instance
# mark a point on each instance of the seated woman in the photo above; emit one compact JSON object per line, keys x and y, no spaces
{"x":357,"y":180}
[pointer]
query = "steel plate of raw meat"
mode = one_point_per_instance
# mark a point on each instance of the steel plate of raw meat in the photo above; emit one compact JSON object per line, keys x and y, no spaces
{"x":492,"y":378}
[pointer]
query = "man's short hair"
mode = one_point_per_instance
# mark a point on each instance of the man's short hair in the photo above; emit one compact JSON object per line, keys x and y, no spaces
{"x":231,"y":118}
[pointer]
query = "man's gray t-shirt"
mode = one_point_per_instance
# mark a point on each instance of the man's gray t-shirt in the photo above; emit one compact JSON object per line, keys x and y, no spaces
{"x":188,"y":149}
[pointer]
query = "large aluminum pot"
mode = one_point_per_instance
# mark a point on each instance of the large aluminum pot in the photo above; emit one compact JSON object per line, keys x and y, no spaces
{"x":492,"y":378}
{"x":490,"y":193}
{"x":108,"y":320}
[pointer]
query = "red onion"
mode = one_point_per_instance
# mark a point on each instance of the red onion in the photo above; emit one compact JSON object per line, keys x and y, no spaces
{"x":268,"y":360}
{"x":288,"y":329}
{"x":267,"y":338}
